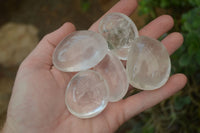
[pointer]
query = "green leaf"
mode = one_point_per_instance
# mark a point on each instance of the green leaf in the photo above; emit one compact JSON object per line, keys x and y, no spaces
{"x":85,"y":5}
{"x":192,"y":41}
{"x":180,"y":102}
{"x":198,"y":57}
{"x":195,"y":2}
{"x":146,"y":10}
{"x":191,"y":20}
{"x":149,"y":129}
{"x":164,"y":4}
{"x":185,"y":60}
{"x":196,"y":23}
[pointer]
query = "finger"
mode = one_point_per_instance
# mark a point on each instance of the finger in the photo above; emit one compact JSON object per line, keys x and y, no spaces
{"x":121,"y":111}
{"x":59,"y":34}
{"x":146,"y":99}
{"x":157,"y":27}
{"x":124,"y":6}
{"x":172,"y":42}
{"x":42,"y":54}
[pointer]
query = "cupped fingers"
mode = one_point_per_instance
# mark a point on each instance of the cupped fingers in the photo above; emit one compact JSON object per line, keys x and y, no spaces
{"x":121,"y":111}
{"x":146,"y":99}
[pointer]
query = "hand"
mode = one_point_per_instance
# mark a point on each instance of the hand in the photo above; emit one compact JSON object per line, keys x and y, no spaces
{"x":37,"y":103}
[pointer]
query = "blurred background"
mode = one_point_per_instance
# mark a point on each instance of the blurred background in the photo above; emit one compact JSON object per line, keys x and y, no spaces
{"x":24,"y":22}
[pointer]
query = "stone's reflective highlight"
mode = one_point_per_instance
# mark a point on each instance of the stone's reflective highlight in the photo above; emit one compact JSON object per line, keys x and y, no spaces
{"x":113,"y":71}
{"x":81,"y":50}
{"x":119,"y":30}
{"x":87,"y":94}
{"x":148,"y":64}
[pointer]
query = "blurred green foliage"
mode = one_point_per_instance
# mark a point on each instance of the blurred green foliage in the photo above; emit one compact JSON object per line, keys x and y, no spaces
{"x":180,"y":113}
{"x":186,"y":14}
{"x":189,"y":54}
{"x":148,"y":6}
{"x":85,"y":5}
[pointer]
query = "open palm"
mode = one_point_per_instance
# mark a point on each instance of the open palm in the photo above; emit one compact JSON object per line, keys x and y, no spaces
{"x":37,"y":103}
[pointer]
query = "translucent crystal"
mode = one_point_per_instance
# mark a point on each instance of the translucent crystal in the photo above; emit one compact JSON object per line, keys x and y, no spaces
{"x":148,"y":64}
{"x":80,"y":50}
{"x":114,"y":73}
{"x":119,"y":30}
{"x":87,"y":94}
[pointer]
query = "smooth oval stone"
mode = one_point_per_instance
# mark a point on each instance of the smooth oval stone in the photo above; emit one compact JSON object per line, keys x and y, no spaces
{"x":119,"y":30}
{"x":114,"y":73}
{"x":86,"y":94}
{"x":81,"y":50}
{"x":148,"y":64}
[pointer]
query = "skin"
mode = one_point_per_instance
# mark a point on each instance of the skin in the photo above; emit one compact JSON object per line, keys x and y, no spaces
{"x":37,"y":101}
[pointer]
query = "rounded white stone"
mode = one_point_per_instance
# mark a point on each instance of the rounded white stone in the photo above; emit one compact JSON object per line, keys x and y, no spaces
{"x":148,"y":64}
{"x":119,"y":30}
{"x":86,"y":94}
{"x":113,"y":71}
{"x":81,"y":50}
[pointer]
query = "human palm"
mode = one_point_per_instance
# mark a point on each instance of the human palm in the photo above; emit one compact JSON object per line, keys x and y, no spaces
{"x":37,"y":103}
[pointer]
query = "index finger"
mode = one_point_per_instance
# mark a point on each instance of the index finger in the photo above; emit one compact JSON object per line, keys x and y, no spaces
{"x":123,"y":6}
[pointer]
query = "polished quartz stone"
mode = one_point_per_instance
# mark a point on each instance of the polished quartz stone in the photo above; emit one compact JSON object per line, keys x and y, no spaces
{"x":119,"y":30}
{"x":87,"y":94}
{"x":79,"y":51}
{"x":148,"y":64}
{"x":113,"y":71}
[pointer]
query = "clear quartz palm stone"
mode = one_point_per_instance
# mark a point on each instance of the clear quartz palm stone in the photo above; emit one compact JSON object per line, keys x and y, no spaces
{"x":119,"y":30}
{"x":114,"y":73}
{"x":86,"y":94}
{"x":81,"y":50}
{"x":148,"y":64}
